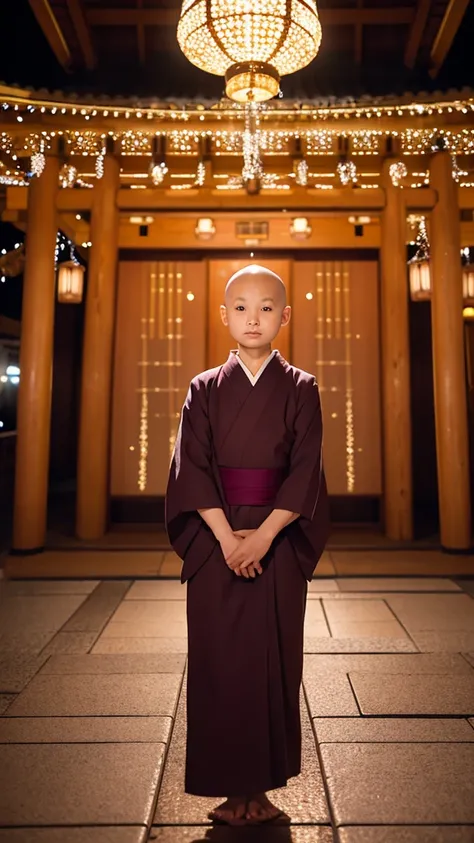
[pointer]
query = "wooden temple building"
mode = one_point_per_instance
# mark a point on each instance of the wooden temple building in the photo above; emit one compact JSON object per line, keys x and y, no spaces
{"x":160,"y":198}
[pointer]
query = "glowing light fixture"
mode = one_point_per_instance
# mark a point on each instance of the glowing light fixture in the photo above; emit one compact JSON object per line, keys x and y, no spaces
{"x":300,"y":228}
{"x":250,"y":42}
{"x":419,"y":266}
{"x":70,"y":282}
{"x":205,"y":228}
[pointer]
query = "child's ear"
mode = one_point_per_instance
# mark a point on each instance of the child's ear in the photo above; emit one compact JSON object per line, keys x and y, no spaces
{"x":286,"y":315}
{"x":224,"y":318}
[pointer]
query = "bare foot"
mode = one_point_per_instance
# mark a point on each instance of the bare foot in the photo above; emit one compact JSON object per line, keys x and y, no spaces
{"x":261,"y":810}
{"x":231,"y":812}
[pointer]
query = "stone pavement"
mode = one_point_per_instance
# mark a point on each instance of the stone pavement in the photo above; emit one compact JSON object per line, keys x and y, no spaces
{"x":92,"y":725}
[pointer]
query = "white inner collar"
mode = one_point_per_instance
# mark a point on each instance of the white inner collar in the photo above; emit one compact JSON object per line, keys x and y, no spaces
{"x":254,"y":378}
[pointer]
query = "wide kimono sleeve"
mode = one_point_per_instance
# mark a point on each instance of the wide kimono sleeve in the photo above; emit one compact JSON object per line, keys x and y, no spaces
{"x":191,"y":484}
{"x":304,"y":490}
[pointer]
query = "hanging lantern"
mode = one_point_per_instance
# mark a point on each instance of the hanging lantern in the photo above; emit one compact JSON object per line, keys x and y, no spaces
{"x":70,"y":282}
{"x":467,"y":278}
{"x":419,"y":266}
{"x":250,"y":42}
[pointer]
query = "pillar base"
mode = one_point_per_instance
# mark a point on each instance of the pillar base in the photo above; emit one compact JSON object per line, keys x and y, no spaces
{"x":31,"y":551}
{"x":458,"y":551}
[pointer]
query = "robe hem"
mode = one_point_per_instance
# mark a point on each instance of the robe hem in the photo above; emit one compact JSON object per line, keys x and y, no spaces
{"x":222,"y":792}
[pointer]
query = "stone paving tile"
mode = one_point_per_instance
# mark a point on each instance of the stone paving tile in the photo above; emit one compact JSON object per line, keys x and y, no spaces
{"x":315,"y":644}
{"x":46,"y":613}
{"x":5,"y":701}
{"x":21,"y":588}
{"x":161,"y":627}
{"x":434,"y":611}
{"x":16,"y":671}
{"x":329,"y":695}
{"x":397,"y":584}
{"x":321,"y":584}
{"x":469,"y":657}
{"x":97,"y":834}
{"x":77,"y":784}
{"x":86,"y":729}
{"x":413,"y":695}
{"x":72,"y":643}
{"x":72,"y":696}
{"x":141,"y":645}
{"x":303,"y":800}
{"x":269,"y":834}
{"x":110,"y":664}
{"x":314,"y":612}
{"x":405,"y":783}
{"x":150,"y":611}
{"x":157,"y":590}
{"x":357,"y":610}
{"x":316,"y":629}
{"x":448,"y":641}
{"x":407,"y":834}
{"x":418,"y":664}
{"x":391,"y":730}
{"x":24,"y":643}
{"x":99,"y":607}
{"x":367,"y":629}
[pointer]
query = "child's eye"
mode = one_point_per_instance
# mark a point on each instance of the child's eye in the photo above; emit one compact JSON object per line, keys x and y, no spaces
{"x":267,"y":307}
{"x":240,"y":307}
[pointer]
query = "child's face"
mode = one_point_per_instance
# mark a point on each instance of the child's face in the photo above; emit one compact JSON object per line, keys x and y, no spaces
{"x":255,"y":310}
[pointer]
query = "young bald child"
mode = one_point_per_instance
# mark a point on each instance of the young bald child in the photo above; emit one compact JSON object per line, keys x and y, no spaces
{"x":247,"y":512}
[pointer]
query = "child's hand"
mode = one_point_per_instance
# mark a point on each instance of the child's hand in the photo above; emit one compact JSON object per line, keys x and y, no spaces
{"x":229,"y":545}
{"x":248,"y":554}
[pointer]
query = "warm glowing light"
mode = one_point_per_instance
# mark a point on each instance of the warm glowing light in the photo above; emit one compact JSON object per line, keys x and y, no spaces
{"x":205,"y":228}
{"x":70,"y":282}
{"x":250,"y":42}
{"x":300,"y":228}
{"x":309,"y":296}
{"x":190,"y":296}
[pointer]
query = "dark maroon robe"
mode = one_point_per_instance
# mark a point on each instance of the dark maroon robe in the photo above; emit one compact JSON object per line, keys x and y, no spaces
{"x":245,"y":649}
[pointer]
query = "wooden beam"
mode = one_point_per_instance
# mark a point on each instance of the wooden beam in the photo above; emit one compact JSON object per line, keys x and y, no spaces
{"x":52,"y":31}
{"x":416,"y":33}
{"x":81,"y":26}
{"x":141,"y":37}
{"x":328,"y":17}
{"x":446,"y":34}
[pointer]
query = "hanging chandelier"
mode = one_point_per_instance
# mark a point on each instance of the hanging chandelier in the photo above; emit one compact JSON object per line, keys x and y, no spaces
{"x":250,"y":42}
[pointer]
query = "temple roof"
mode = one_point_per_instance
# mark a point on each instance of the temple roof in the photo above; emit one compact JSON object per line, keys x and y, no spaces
{"x":127,"y":49}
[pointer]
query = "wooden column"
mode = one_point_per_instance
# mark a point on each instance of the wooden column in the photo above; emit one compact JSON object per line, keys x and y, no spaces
{"x":36,"y":364}
{"x":452,"y":443}
{"x":94,"y":429}
{"x":395,"y":365}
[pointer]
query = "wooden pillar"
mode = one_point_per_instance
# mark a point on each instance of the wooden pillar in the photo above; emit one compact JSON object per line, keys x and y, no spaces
{"x":94,"y":428}
{"x":452,"y":444}
{"x":395,"y":365}
{"x":36,"y":364}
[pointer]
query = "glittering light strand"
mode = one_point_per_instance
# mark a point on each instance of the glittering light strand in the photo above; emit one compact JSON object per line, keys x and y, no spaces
{"x":398,"y":171}
{"x":347,"y":172}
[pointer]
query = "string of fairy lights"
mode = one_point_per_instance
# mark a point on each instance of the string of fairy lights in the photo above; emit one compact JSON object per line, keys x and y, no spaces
{"x":252,"y":142}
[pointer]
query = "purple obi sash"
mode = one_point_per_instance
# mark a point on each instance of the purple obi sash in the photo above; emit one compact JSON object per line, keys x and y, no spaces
{"x":251,"y":486}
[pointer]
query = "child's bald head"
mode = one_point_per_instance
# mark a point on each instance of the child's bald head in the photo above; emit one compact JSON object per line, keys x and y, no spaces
{"x":255,"y":275}
{"x":255,"y":307}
